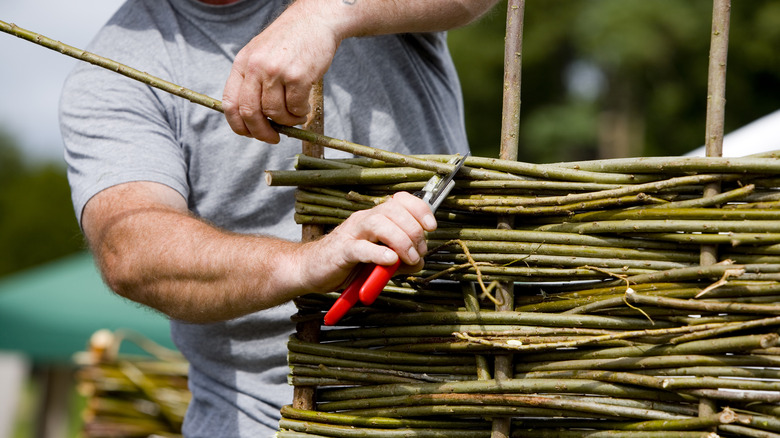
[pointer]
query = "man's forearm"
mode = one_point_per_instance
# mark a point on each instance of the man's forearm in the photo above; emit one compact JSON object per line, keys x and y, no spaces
{"x":351,"y":18}
{"x":153,"y":251}
{"x":192,"y":271}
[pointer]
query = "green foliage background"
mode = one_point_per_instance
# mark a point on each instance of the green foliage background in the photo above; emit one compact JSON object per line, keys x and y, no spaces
{"x":645,"y":61}
{"x":652,"y":55}
{"x":36,"y":217}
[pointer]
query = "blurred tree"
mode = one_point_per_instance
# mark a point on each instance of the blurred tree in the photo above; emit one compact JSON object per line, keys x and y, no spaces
{"x":37,"y":223}
{"x":605,"y":78}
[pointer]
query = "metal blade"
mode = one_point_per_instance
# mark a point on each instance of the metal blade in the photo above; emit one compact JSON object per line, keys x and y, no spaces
{"x":438,"y":187}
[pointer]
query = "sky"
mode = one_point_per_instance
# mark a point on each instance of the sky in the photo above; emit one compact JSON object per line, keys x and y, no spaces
{"x":31,"y":76}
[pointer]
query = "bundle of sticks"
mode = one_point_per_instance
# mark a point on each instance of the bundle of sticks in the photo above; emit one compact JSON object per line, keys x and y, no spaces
{"x":130,"y":393}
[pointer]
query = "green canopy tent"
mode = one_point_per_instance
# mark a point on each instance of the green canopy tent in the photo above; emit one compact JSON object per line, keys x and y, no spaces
{"x":48,"y":313}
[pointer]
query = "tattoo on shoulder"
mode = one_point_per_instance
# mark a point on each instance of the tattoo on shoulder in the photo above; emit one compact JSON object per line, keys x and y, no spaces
{"x":349,"y":2}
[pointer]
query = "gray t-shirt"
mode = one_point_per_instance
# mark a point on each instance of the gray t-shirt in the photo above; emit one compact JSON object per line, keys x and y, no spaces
{"x":397,"y":92}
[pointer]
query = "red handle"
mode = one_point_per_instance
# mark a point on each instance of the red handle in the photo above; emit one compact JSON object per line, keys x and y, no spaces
{"x":348,"y":298}
{"x":377,"y":281}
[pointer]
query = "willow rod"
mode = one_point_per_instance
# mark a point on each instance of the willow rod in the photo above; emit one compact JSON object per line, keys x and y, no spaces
{"x":511,"y":318}
{"x":732,"y":165}
{"x":214,"y":104}
{"x":447,"y":330}
{"x":589,"y":340}
{"x":536,"y":236}
{"x":730,"y":238}
{"x":707,"y":346}
{"x":309,"y":330}
{"x":375,"y":356}
{"x":358,"y":421}
{"x":700,"y":272}
{"x":518,"y":169}
{"x":510,"y":386}
{"x":711,"y":371}
{"x":703,"y":306}
{"x":728,"y":328}
{"x":690,"y":226}
{"x":329,"y":360}
{"x":585,"y":406}
{"x":701,"y":214}
{"x":352,"y":431}
{"x":672,"y":408}
{"x":533,"y":248}
{"x":557,"y":261}
{"x":649,"y":362}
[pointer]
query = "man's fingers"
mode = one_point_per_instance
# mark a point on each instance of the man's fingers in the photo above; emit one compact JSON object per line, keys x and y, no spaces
{"x":413,"y":244}
{"x":230,"y":98}
{"x":368,"y":252}
{"x":419,"y":218}
{"x":241,"y":103}
{"x":297,"y":100}
{"x":417,"y":208}
{"x":276,"y":105}
{"x":250,"y":107}
{"x":248,"y":104}
{"x":386,"y":236}
{"x":397,"y":225}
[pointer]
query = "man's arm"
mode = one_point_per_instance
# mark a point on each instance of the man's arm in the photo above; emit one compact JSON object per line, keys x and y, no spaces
{"x":272,"y":76}
{"x":153,"y":251}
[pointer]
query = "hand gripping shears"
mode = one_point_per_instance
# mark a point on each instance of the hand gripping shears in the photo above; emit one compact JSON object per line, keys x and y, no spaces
{"x":371,"y":279}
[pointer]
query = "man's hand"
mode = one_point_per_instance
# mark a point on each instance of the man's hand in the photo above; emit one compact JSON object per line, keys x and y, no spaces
{"x":273,"y":75}
{"x":380,"y":235}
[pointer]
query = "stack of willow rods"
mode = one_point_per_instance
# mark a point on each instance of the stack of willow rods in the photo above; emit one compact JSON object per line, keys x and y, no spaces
{"x":652,"y":219}
{"x":616,"y":330}
{"x":130,"y":395}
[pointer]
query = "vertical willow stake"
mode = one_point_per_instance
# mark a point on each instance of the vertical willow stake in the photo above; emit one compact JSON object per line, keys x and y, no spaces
{"x":716,"y":100}
{"x":510,"y":129}
{"x":309,"y":329}
{"x":716,"y":80}
{"x":716,"y":115}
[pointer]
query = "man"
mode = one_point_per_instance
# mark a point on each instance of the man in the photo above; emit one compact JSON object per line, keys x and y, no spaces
{"x":172,"y":201}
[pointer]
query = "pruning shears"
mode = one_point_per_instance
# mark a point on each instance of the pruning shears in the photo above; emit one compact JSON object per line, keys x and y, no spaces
{"x":371,"y":279}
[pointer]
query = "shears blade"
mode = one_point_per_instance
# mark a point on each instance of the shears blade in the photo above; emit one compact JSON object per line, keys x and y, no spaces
{"x":438,"y":187}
